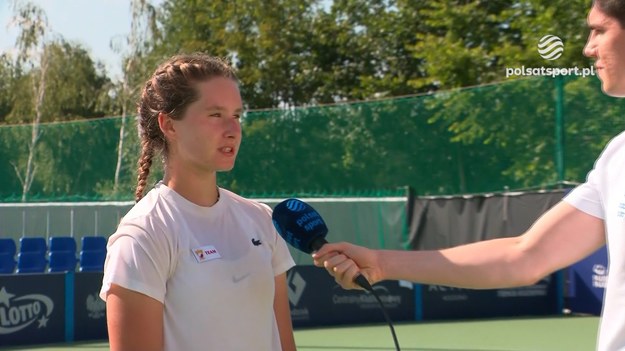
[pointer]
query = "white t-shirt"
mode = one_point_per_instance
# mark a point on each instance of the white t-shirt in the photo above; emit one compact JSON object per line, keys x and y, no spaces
{"x":603,"y":196}
{"x":213,"y":268}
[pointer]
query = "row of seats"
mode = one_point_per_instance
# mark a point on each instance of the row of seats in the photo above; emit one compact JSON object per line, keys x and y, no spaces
{"x":34,"y":255}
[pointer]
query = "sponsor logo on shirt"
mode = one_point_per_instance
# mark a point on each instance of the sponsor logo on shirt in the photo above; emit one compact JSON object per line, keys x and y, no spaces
{"x":620,"y":213}
{"x":599,"y":276}
{"x":205,"y":253}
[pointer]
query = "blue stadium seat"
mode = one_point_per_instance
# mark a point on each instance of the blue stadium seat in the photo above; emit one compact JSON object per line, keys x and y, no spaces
{"x":62,"y":243}
{"x":7,"y":263}
{"x":7,"y":255}
{"x":90,"y":243}
{"x":92,"y":260}
{"x":33,"y":244}
{"x":7,"y":245}
{"x":31,"y":262}
{"x":92,"y":253}
{"x":62,"y":261}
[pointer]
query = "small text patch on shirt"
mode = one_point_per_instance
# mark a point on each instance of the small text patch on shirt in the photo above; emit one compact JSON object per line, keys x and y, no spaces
{"x":205,"y":253}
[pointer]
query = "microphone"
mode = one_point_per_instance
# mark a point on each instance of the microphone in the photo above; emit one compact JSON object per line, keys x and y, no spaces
{"x":302,"y":227}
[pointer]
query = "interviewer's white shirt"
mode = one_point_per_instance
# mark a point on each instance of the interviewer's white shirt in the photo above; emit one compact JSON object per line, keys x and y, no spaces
{"x":603,"y":196}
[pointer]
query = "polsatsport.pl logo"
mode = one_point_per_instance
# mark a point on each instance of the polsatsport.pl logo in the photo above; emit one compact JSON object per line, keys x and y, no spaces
{"x":550,"y":47}
{"x":549,"y":71}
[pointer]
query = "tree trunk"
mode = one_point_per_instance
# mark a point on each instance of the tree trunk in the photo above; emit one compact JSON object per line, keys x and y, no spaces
{"x":40,"y":92}
{"x":120,"y":150}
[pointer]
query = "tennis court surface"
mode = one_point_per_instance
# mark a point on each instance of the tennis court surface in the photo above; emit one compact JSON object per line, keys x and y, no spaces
{"x":522,"y":334}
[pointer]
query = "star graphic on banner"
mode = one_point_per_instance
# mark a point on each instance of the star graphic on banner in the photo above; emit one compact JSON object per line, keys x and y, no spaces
{"x":43,"y":322}
{"x":5,"y":297}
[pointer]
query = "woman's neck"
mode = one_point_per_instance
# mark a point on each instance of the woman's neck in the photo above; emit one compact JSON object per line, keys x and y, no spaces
{"x":201,"y":189}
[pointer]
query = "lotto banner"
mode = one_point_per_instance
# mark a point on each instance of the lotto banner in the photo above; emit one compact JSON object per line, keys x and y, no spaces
{"x":89,"y":309}
{"x":441,"y":302}
{"x":32,"y":308}
{"x":316,"y":300}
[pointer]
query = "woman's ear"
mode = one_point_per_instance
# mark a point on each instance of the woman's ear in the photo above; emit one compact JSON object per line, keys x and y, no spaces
{"x":167,"y":126}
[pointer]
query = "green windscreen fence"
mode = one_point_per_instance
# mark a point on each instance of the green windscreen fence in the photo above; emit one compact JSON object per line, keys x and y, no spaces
{"x":376,"y":222}
{"x":515,"y":135}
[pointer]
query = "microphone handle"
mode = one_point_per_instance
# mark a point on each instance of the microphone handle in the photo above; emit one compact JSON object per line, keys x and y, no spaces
{"x":360,"y":279}
{"x":317,"y":243}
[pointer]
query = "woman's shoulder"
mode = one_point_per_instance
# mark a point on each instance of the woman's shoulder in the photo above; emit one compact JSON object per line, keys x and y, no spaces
{"x":145,"y":215}
{"x":144,"y":207}
{"x":617,"y":143}
{"x":614,"y":148}
{"x":244,"y":203}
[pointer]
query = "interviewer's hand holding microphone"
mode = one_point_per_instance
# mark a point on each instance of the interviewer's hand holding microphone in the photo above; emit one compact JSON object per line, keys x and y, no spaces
{"x":345,"y":261}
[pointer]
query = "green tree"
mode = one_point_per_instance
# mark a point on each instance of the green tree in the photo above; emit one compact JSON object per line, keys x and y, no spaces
{"x":360,"y":50}
{"x":75,"y":84}
{"x":467,"y":43}
{"x":297,"y":52}
{"x":6,"y":86}
{"x":30,"y":43}
{"x":142,"y":27}
{"x":266,"y":41}
{"x":52,"y":80}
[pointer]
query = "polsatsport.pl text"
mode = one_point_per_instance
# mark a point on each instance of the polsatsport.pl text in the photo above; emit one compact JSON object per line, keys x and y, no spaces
{"x":550,"y":71}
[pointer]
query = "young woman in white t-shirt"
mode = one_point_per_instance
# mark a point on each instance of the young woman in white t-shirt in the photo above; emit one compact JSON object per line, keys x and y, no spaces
{"x":193,"y":266}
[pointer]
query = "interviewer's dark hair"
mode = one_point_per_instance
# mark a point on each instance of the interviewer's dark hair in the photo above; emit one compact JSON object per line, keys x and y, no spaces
{"x":170,"y":90}
{"x":612,"y":8}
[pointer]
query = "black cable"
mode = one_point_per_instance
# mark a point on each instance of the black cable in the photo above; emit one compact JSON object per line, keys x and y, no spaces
{"x":365,"y":284}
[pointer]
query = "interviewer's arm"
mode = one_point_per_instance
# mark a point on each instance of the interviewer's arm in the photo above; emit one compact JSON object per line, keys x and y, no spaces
{"x":562,"y":236}
{"x":135,"y":321}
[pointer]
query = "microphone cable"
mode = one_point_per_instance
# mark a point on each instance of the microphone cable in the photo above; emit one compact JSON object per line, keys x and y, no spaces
{"x":362,"y":281}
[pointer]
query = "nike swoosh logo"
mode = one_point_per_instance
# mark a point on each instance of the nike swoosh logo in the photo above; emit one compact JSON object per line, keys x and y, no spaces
{"x":236,"y":279}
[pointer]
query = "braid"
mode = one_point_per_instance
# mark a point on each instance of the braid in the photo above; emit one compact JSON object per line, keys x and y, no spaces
{"x":151,"y":136}
{"x":145,"y":162}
